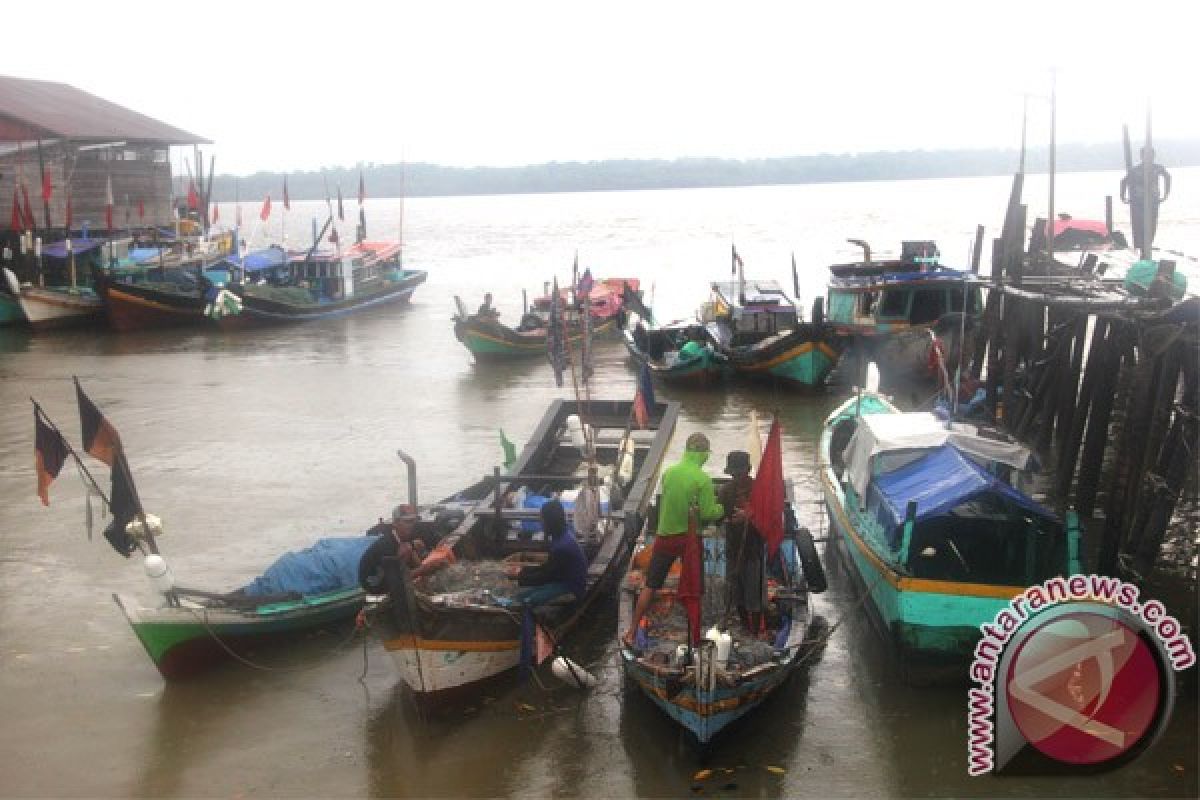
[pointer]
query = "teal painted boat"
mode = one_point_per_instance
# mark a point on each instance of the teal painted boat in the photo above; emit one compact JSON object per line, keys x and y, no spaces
{"x":10,"y":310}
{"x":890,"y":309}
{"x":666,"y":353}
{"x":755,"y":326}
{"x":930,"y":527}
{"x":490,"y":340}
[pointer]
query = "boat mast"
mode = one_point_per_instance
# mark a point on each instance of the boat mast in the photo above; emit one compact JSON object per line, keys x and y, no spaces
{"x":1149,"y":182}
{"x":1053,"y":134}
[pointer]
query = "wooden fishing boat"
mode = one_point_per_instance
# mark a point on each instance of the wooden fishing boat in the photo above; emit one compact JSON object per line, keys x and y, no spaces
{"x":201,"y":631}
{"x":932,"y":522}
{"x":666,"y":352}
{"x":488,"y":339}
{"x":708,"y":687}
{"x":10,"y":309}
{"x":889,"y":310}
{"x":755,"y":326}
{"x":61,"y":295}
{"x":277,"y":288}
{"x":452,"y":630}
{"x":606,"y":297}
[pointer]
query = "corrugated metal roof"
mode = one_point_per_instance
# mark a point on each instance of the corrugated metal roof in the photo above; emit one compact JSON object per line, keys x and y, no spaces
{"x":56,"y":110}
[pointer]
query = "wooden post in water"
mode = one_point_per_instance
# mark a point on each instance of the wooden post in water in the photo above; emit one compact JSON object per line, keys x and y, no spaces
{"x":1074,"y":438}
{"x":1108,"y":374}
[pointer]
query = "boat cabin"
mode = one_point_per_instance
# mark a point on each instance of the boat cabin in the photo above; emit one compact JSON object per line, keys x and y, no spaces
{"x":748,"y":311}
{"x":939,"y":501}
{"x":881,"y":296}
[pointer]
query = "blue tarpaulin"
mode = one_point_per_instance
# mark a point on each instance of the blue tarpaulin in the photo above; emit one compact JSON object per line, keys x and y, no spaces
{"x":327,"y":566}
{"x":940,"y":481}
{"x":259,"y":260}
{"x":78,"y":246}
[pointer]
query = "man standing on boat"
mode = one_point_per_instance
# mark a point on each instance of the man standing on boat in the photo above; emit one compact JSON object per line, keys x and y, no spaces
{"x":684,"y":485}
{"x":1133,"y":192}
{"x":744,"y":554}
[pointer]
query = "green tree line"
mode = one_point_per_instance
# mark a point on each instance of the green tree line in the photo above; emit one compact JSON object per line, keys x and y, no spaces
{"x":431,"y":180}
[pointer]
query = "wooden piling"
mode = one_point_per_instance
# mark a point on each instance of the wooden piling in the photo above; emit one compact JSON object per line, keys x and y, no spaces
{"x":1069,"y":453}
{"x":1108,"y":378}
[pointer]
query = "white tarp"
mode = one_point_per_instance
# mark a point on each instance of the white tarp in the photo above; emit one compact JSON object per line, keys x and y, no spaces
{"x":884,"y":433}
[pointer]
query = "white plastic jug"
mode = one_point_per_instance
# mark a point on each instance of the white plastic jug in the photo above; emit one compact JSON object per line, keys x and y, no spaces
{"x":722,"y":640}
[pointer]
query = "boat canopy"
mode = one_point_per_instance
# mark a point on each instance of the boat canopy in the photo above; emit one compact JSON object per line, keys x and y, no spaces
{"x":882,"y":433}
{"x":754,"y":293}
{"x":258,"y":260}
{"x":877,"y":279}
{"x":78,"y":246}
{"x":939,"y":481}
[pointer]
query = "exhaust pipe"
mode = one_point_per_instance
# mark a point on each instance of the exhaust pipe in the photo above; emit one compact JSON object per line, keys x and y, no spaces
{"x":412,"y":477}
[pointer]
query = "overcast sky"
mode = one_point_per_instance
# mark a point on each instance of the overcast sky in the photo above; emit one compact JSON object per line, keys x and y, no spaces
{"x":292,"y":86}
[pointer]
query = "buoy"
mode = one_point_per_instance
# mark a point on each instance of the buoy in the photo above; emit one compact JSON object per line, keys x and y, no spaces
{"x":571,"y":673}
{"x":159,"y":572}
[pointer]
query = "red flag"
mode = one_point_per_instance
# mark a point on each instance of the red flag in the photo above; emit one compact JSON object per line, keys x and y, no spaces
{"x":108,"y":204}
{"x":99,"y":438}
{"x":691,"y":580}
{"x":49,"y":453}
{"x":193,"y":196}
{"x":17,"y":217}
{"x":70,"y":216}
{"x":47,"y":187}
{"x":643,"y":398}
{"x":767,"y":494}
{"x":362,"y":189}
{"x":341,"y":211}
{"x":265,"y":213}
{"x":287,"y":202}
{"x":141,"y":208}
{"x":30,"y":222}
{"x":216,"y":214}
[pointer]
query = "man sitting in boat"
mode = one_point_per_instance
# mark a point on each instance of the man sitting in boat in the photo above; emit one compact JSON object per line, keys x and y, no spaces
{"x":683,"y":485}
{"x":744,"y":552}
{"x":564,"y":571}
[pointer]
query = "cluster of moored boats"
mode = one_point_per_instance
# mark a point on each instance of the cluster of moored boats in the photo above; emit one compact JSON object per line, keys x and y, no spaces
{"x":933,"y":515}
{"x":158,"y":279}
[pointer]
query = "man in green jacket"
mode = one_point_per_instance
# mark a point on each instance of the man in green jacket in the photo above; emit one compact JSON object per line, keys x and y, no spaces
{"x":683,"y":485}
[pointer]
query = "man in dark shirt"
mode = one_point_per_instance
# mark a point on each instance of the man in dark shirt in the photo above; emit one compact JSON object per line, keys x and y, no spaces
{"x":744,"y":553}
{"x":565,"y":571}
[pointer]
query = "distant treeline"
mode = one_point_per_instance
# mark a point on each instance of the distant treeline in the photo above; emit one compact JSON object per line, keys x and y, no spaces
{"x":430,"y":180}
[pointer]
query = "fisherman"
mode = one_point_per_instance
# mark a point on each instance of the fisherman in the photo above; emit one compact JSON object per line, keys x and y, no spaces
{"x":564,"y":572}
{"x":485,"y":308}
{"x":744,"y":553}
{"x":683,"y":485}
{"x":1133,"y":192}
{"x":403,"y":538}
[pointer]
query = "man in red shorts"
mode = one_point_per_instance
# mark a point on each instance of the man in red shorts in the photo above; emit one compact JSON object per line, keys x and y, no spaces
{"x":683,"y":485}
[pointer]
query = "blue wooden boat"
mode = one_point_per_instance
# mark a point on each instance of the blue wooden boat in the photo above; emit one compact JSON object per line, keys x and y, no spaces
{"x":755,"y":326}
{"x":693,"y":686}
{"x":889,"y":308}
{"x":277,"y":287}
{"x":932,"y":521}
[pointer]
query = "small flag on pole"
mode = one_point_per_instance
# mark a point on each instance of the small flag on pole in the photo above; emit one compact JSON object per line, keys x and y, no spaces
{"x":586,"y":282}
{"x":265,"y":213}
{"x":510,"y":450}
{"x":49,"y":452}
{"x":643,"y":398}
{"x":193,"y":197}
{"x":17,"y":219}
{"x":216,"y":213}
{"x":30,"y":221}
{"x":287,"y":201}
{"x":736,"y":261}
{"x":142,"y":208}
{"x":47,"y":188}
{"x":556,"y":346}
{"x":100,"y":439}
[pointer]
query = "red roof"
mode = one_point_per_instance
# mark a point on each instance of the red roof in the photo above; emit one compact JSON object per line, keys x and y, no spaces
{"x":47,"y":110}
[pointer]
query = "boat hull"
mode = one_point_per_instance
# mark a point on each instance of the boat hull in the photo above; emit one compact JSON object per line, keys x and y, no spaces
{"x":799,"y":358}
{"x":257,"y":311}
{"x":182,"y":642}
{"x":699,"y":372}
{"x":130,"y":307}
{"x":55,"y":307}
{"x":10,"y":310}
{"x":491,"y":341}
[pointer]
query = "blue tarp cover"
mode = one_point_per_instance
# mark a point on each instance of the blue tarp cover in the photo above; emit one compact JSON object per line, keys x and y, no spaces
{"x":327,"y":566}
{"x":80,"y":246}
{"x":260,"y":259}
{"x":940,"y":481}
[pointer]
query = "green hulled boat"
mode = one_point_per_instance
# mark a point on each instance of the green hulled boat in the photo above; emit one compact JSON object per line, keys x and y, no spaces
{"x":490,"y":340}
{"x":929,"y":526}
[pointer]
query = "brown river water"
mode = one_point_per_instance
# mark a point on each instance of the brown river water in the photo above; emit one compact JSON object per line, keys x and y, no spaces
{"x":248,"y":445}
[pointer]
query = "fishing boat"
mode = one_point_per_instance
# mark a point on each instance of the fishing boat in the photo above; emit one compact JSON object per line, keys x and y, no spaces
{"x":891,"y":309}
{"x":276,"y":287}
{"x":933,"y":520}
{"x":733,"y":669}
{"x":677,"y":353}
{"x":488,"y":339}
{"x":450,"y":625}
{"x":10,"y":309}
{"x":60,"y":295}
{"x":756,"y":328}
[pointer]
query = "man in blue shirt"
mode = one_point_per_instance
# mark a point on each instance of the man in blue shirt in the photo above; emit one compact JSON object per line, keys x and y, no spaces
{"x":564,"y":572}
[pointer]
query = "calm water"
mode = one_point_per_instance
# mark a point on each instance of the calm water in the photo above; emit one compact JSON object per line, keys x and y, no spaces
{"x":248,"y":445}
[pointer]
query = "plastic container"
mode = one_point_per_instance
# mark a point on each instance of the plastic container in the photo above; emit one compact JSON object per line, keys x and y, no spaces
{"x":159,"y":572}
